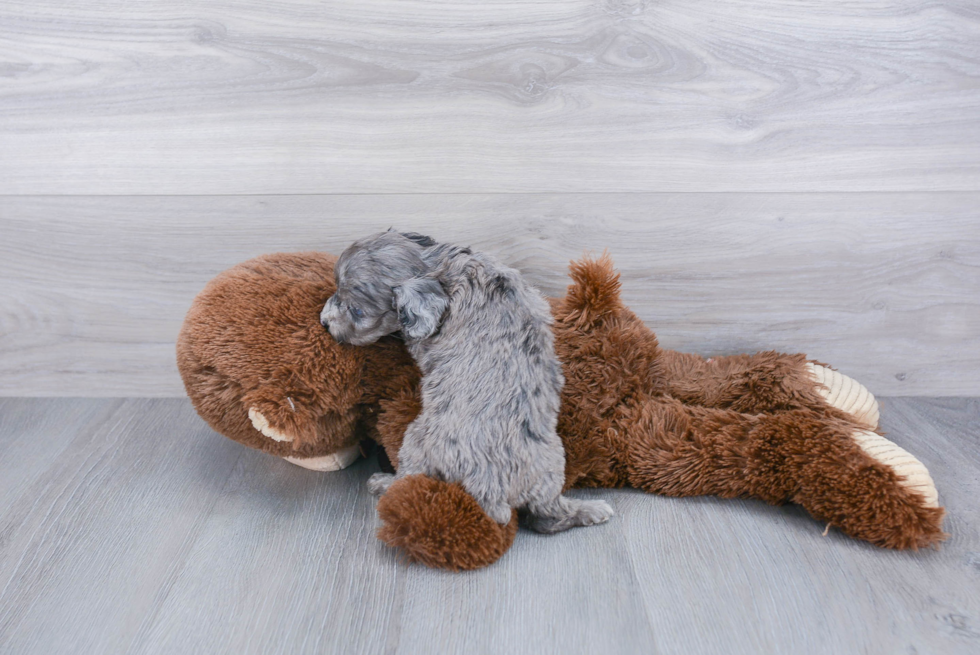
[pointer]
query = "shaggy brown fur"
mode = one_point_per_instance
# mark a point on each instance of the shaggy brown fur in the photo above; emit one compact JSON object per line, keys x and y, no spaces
{"x":440,"y":525}
{"x":253,"y":338}
{"x":632,"y":414}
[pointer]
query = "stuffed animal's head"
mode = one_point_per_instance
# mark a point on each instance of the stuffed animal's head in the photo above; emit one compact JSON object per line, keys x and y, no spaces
{"x":252,"y":343}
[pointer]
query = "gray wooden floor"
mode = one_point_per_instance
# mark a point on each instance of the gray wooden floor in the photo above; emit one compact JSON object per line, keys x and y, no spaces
{"x":127,"y":526}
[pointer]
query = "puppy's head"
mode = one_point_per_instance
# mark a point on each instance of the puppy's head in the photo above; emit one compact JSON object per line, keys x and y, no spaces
{"x":382,"y":288}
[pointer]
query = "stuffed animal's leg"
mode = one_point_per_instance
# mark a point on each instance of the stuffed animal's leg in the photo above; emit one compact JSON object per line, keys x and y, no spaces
{"x":432,"y":521}
{"x":841,"y":473}
{"x":441,"y":525}
{"x":845,"y":393}
{"x":765,"y":382}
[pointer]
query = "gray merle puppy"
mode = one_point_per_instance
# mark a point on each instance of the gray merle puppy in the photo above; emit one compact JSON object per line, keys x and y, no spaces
{"x":490,"y":379}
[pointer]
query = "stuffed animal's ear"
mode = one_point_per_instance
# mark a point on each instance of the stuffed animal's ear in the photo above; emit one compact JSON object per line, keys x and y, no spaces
{"x":420,"y":303}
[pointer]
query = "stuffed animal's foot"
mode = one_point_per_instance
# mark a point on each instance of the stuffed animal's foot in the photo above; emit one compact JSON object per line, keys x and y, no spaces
{"x":912,"y":474}
{"x":845,"y":394}
{"x":332,"y":462}
{"x":440,"y":525}
{"x":261,"y":423}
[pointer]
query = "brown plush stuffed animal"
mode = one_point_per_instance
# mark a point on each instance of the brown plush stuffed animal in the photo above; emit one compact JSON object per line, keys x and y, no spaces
{"x":261,"y":370}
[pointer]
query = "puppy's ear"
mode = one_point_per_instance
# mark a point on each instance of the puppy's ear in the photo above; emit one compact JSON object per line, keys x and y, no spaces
{"x":421,"y":239}
{"x":420,"y":303}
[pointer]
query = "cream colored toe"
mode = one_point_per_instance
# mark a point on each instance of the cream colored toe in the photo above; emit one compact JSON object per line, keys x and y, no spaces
{"x":333,"y":462}
{"x":846,"y":394}
{"x":260,"y":423}
{"x":915,"y":475}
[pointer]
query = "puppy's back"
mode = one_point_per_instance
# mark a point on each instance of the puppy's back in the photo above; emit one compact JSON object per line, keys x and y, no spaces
{"x":491,"y":380}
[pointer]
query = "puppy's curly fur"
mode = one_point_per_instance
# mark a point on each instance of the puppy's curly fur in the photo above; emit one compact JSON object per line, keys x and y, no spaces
{"x":491,"y":382}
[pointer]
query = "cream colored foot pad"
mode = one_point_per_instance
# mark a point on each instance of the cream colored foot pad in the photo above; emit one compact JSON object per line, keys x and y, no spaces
{"x":260,"y":423}
{"x":334,"y":462}
{"x":916,"y":475}
{"x":846,"y":394}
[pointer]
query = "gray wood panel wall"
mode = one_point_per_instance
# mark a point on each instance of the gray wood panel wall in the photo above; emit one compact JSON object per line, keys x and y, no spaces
{"x":796,"y":175}
{"x":376,"y":96}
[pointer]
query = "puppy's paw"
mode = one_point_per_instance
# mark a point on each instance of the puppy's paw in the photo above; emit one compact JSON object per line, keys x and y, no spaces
{"x":260,"y":423}
{"x":594,"y":512}
{"x":569,"y":513}
{"x":378,"y":483}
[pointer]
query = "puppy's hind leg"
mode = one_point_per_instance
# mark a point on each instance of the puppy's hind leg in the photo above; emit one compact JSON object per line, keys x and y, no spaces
{"x":562,"y":513}
{"x":378,"y":483}
{"x":499,"y":511}
{"x":411,"y":461}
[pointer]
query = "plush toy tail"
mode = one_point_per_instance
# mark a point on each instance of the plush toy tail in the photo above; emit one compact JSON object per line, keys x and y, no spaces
{"x":594,"y":292}
{"x":441,"y":525}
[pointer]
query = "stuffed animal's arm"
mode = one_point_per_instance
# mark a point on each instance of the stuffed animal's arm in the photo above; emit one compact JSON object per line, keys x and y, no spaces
{"x":765,"y":382}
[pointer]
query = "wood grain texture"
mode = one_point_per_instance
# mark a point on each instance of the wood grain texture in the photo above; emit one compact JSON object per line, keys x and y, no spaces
{"x":289,"y":565}
{"x":138,"y":530}
{"x":373,"y":96}
{"x":570,"y":593}
{"x":773,"y":584}
{"x":91,"y":545}
{"x":884,"y":286}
